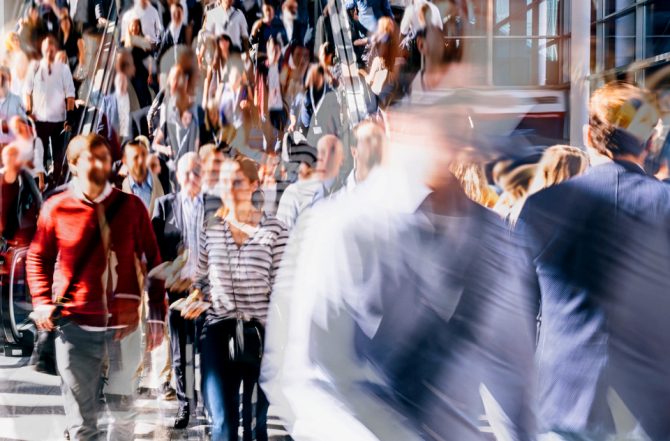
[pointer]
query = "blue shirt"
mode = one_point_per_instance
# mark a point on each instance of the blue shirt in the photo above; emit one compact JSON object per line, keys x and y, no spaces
{"x":369,"y":11}
{"x":143,"y":191}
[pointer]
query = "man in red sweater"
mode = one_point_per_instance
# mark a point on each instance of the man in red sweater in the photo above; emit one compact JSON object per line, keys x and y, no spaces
{"x":86,"y":256}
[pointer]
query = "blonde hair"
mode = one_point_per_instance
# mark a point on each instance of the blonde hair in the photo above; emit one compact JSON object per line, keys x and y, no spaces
{"x":558,"y":164}
{"x":612,"y":107}
{"x":474,"y":183}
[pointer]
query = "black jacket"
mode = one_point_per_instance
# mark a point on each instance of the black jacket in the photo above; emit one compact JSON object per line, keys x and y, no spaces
{"x":167,"y":41}
{"x":168,"y":224}
{"x":27,"y":208}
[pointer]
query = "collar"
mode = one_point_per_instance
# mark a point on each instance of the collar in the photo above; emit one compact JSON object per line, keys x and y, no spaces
{"x":186,"y":198}
{"x":149,"y":182}
{"x":79,"y":194}
{"x":630,"y":166}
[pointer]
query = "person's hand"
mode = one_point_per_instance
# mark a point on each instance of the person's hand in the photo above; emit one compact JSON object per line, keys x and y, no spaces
{"x":102,"y":22}
{"x":40,"y":182}
{"x":125,"y":331}
{"x":244,"y":104}
{"x":150,"y":80}
{"x":42,"y":317}
{"x":67,"y":127}
{"x":154,"y":335}
{"x":194,"y":305}
{"x":291,"y":127}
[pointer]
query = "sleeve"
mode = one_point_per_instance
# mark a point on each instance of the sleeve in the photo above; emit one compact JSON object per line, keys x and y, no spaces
{"x":201,"y":275}
{"x":68,"y":84}
{"x":287,"y":212}
{"x":149,"y":248}
{"x":41,"y":260}
{"x":158,"y":222}
{"x":244,"y":26}
{"x":30,"y":79}
{"x":278,"y":253}
{"x":388,"y":12}
{"x":38,"y":159}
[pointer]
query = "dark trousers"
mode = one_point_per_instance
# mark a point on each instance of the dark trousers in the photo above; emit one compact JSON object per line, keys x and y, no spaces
{"x":221,"y":378}
{"x":182,"y":333}
{"x":50,"y":133}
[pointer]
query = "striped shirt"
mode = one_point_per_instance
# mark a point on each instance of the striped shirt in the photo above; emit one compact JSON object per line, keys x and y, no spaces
{"x":247,"y":271}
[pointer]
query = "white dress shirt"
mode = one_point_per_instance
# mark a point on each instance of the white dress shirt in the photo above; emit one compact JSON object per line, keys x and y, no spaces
{"x":152,"y":25}
{"x":50,"y":90}
{"x":231,"y":22}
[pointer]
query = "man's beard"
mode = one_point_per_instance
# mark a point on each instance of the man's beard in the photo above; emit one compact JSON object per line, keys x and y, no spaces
{"x":98,"y":177}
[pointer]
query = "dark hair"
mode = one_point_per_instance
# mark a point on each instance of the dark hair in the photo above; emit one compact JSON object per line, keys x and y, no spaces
{"x":134,"y":143}
{"x":248,"y":167}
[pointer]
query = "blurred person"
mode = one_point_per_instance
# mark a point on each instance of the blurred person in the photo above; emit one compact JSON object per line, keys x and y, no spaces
{"x":559,"y":163}
{"x":151,"y":23}
{"x":17,"y":61}
{"x":49,"y":95}
{"x":332,"y":70}
{"x":117,"y":109}
{"x":85,"y":232}
{"x":599,"y":244}
{"x":179,"y":126}
{"x":382,"y":72}
{"x":322,"y":183}
{"x":240,"y":249}
{"x":140,"y":50}
{"x":265,"y":27}
{"x":226,"y":19}
{"x":400,"y":311}
{"x":295,"y":28}
{"x":32,"y":30}
{"x":31,"y":150}
{"x":369,"y":12}
{"x":140,"y":181}
{"x":154,"y":164}
{"x":251,"y":10}
{"x":514,"y":182}
{"x":367,"y":153}
{"x":177,"y":221}
{"x":212,"y":158}
{"x":73,"y":44}
{"x":320,"y":110}
{"x":20,"y":200}
{"x":213,"y":131}
{"x":359,"y":34}
{"x":11,"y":105}
{"x":175,"y":33}
{"x":236,"y":103}
{"x":217,"y":70}
{"x":269,"y":95}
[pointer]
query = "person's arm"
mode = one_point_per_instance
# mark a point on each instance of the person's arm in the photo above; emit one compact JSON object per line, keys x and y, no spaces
{"x":158,"y":145}
{"x":158,"y":222}
{"x":68,"y":85}
{"x":156,"y":288}
{"x":28,"y":88}
{"x":38,"y":161}
{"x":277,"y":253}
{"x":40,"y":264}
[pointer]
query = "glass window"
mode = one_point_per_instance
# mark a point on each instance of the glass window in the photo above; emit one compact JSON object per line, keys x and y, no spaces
{"x":657,"y":28}
{"x":612,"y":6}
{"x":620,"y":41}
{"x":470,"y":16}
{"x":527,"y":62}
{"x":528,"y":17}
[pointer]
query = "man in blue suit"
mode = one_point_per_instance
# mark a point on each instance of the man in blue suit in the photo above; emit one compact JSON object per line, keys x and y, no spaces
{"x":600,"y":244}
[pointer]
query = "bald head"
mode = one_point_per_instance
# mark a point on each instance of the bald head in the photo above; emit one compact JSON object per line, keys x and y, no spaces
{"x":329,"y":157}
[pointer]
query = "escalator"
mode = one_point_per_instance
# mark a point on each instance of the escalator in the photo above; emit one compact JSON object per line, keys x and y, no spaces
{"x":17,"y":332}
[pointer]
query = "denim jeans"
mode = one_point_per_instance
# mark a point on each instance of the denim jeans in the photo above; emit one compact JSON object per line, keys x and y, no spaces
{"x":221,"y":378}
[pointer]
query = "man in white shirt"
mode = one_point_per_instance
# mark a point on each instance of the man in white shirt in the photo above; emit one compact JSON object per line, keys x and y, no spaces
{"x":49,"y":96}
{"x":152,"y":26}
{"x":225,"y":19}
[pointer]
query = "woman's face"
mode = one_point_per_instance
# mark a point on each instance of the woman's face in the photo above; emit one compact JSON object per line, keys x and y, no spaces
{"x":241,"y":189}
{"x":224,"y":46}
{"x":135,"y":28}
{"x":66,"y":25}
{"x":268,"y":13}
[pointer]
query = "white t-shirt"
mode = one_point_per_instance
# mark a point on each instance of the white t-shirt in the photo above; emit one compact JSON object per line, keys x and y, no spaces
{"x":219,"y":21}
{"x":49,"y":90}
{"x":274,"y":89}
{"x":152,"y":25}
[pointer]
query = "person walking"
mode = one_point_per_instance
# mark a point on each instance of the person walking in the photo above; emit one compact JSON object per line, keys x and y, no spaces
{"x":240,"y":253}
{"x":83,"y":276}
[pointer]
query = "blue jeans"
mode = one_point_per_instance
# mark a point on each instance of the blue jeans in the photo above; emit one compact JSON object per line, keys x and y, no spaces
{"x":221,"y":378}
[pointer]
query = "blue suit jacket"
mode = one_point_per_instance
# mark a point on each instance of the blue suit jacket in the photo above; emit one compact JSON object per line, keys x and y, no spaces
{"x":600,"y":244}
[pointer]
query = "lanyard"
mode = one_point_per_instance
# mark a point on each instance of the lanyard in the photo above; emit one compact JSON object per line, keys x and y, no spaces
{"x":316,"y":106}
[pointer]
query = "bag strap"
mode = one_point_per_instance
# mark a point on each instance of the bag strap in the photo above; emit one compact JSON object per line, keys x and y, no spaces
{"x":92,"y":242}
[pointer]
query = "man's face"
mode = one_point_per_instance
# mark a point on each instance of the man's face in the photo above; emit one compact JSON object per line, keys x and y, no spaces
{"x":190,"y":178}
{"x":48,"y":49}
{"x":212,"y":168}
{"x":268,"y":13}
{"x":94,"y":165}
{"x":135,"y":159}
{"x":176,"y":14}
{"x":329,"y":159}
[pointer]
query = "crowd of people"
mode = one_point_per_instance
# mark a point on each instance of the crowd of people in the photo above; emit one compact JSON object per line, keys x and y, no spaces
{"x":393,"y":279}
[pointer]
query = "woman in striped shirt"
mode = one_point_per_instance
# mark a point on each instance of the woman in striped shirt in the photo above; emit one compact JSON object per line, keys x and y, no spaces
{"x":240,"y":252}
